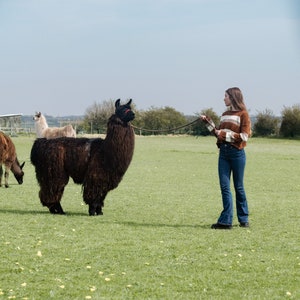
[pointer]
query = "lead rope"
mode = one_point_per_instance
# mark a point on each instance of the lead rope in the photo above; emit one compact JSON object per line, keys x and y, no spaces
{"x":165,"y":130}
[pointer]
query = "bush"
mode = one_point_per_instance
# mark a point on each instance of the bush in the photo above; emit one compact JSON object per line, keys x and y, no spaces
{"x":290,"y":125}
{"x":266,"y":124}
{"x":159,"y":120}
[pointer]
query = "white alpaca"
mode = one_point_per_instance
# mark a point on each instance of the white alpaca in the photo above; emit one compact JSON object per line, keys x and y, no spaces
{"x":44,"y":131}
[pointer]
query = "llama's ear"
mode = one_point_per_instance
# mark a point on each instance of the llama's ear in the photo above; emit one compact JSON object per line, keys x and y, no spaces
{"x":129,"y":102}
{"x":22,"y":165}
{"x":117,"y":104}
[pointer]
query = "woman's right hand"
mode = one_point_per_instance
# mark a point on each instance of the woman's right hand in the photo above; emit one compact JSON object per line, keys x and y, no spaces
{"x":203,"y":118}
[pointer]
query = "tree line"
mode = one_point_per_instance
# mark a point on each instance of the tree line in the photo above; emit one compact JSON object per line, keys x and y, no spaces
{"x":166,"y":120}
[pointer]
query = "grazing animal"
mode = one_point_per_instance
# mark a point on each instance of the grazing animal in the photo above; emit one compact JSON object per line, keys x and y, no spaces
{"x":44,"y":131}
{"x":8,"y":157}
{"x":98,"y":164}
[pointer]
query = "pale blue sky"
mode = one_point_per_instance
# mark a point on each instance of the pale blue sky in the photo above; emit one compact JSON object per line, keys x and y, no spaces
{"x":61,"y":56}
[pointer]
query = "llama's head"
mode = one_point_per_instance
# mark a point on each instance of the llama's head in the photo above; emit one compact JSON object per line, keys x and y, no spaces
{"x":17,"y":170}
{"x":37,"y":116}
{"x":124,"y":111}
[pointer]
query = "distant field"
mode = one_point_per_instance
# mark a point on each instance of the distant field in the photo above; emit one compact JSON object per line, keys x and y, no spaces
{"x":154,"y":240}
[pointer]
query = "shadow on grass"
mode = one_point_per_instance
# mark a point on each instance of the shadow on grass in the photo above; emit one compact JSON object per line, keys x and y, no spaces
{"x":126,"y":223}
{"x":39,"y":212}
{"x":137,"y":224}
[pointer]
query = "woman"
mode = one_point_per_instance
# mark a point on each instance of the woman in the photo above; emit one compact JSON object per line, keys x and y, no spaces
{"x":232,"y":135}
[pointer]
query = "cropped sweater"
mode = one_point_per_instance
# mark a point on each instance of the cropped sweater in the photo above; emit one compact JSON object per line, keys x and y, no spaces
{"x":235,"y":128}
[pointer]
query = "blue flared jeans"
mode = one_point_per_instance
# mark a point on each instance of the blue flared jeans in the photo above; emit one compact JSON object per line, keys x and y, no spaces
{"x":232,"y":161}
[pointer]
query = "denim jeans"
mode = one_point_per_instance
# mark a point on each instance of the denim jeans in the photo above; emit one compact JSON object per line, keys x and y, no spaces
{"x":232,"y":161}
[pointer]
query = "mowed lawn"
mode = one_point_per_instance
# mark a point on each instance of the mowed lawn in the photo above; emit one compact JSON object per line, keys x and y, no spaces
{"x":154,"y":240}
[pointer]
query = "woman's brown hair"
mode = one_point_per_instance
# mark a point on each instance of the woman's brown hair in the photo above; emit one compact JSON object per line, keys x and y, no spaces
{"x":236,"y":97}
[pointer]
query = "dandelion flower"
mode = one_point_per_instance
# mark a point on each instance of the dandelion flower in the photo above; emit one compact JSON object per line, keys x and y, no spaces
{"x":62,"y":286}
{"x":107,"y":279}
{"x":24,"y":284}
{"x":88,"y":267}
{"x":88,"y":297}
{"x":101,"y":273}
{"x":39,"y":253}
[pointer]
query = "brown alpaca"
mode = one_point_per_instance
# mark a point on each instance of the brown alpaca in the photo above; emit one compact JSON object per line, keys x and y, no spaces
{"x":98,"y":164}
{"x":8,"y":157}
{"x":44,"y":131}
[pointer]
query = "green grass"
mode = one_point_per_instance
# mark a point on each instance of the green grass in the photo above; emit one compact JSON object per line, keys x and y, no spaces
{"x":154,"y":240}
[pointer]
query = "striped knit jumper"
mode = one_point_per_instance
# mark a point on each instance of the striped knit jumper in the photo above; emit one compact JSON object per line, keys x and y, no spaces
{"x":235,"y":127}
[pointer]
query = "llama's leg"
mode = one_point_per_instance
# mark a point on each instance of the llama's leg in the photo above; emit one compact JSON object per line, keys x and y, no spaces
{"x":1,"y":174}
{"x":99,"y":210}
{"x":56,"y":209}
{"x":100,"y":204}
{"x":6,"y":174}
{"x":95,"y":208}
{"x":50,"y":196}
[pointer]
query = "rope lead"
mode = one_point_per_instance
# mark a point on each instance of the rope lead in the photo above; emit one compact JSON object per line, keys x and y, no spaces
{"x":165,"y":130}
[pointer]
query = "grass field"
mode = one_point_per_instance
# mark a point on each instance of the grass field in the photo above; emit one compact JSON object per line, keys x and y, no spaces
{"x":154,"y":240}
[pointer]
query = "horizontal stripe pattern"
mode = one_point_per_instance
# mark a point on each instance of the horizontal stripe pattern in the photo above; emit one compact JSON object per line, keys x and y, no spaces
{"x":235,"y":128}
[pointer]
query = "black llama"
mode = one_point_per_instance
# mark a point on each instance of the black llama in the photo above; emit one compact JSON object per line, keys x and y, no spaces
{"x":98,"y":164}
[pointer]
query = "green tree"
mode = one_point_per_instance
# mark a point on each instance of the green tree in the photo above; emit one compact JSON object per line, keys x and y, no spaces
{"x":199,"y":128}
{"x":290,"y":125}
{"x":97,"y":115}
{"x":160,"y":120}
{"x":266,"y":124}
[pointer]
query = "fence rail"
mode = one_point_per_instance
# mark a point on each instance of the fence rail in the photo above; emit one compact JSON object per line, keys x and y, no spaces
{"x":16,"y":130}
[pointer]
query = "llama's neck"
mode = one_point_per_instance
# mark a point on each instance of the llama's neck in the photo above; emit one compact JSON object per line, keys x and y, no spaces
{"x":15,"y":167}
{"x":119,"y":145}
{"x":40,"y":125}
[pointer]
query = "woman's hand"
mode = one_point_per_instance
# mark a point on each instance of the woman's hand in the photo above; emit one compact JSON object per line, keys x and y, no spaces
{"x":217,"y":132}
